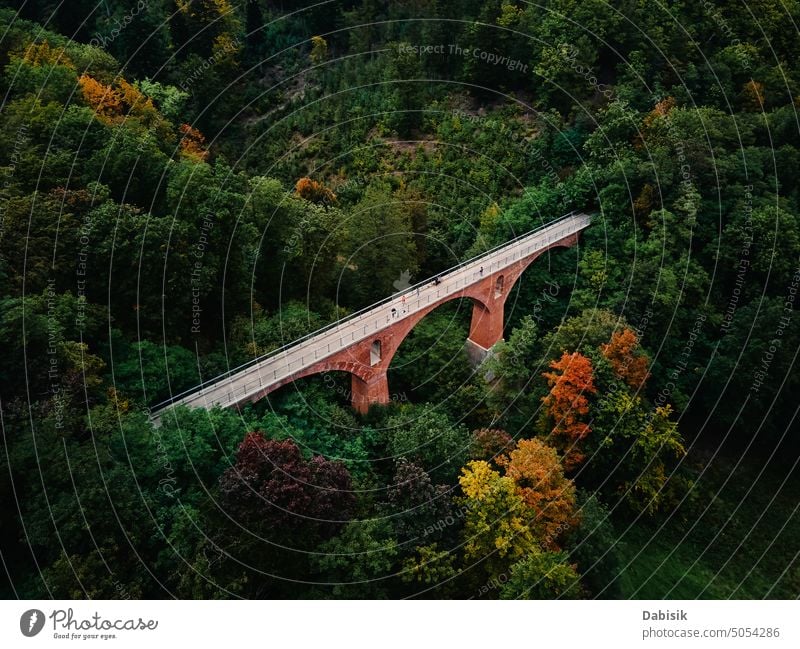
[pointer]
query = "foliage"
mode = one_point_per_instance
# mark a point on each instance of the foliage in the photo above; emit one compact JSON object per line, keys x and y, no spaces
{"x":628,"y":366}
{"x":273,"y":487}
{"x":541,"y":575}
{"x":496,"y":531}
{"x":490,"y":444}
{"x":415,"y":505}
{"x":313,"y":191}
{"x":153,"y":234}
{"x":193,"y":143}
{"x":634,"y":446}
{"x":594,"y":546}
{"x":357,"y":562}
{"x":428,"y":437}
{"x":535,"y":469}
{"x":567,"y":404}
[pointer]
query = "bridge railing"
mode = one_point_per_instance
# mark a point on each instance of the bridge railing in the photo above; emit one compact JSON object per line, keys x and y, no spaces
{"x":353,"y":317}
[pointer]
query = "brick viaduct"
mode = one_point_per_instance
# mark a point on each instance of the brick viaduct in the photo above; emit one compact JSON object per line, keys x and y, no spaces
{"x":364,"y":344}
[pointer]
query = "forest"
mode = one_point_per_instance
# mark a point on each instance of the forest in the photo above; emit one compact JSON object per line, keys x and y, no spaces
{"x":187,"y":185}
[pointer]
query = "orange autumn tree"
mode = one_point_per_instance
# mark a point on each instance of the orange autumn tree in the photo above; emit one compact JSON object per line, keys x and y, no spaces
{"x":536,"y":470}
{"x":138,"y":103}
{"x":314,"y":191}
{"x":567,"y":404}
{"x":104,"y":100}
{"x":193,"y":143}
{"x":753,"y":95}
{"x":628,"y":362}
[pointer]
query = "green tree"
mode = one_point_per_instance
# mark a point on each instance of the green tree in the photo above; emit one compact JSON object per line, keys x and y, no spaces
{"x":380,"y":246}
{"x":427,"y":437}
{"x":542,"y":575}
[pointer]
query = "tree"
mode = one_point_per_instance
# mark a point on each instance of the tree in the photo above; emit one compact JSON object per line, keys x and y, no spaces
{"x":630,"y":449}
{"x":150,"y":373}
{"x":511,"y":370}
{"x":490,"y":444}
{"x":535,"y":469}
{"x":594,"y":547}
{"x":542,"y":575}
{"x":359,"y":562}
{"x":319,"y":50}
{"x":567,"y":404}
{"x":193,"y":143}
{"x":588,"y":330}
{"x":380,"y":245}
{"x":432,"y":568}
{"x":272,"y":487}
{"x":431,"y":363}
{"x":261,"y":333}
{"x":628,"y":365}
{"x":408,"y":96}
{"x":496,"y":531}
{"x":314,"y":192}
{"x":414,"y":504}
{"x":104,"y":100}
{"x":428,"y":438}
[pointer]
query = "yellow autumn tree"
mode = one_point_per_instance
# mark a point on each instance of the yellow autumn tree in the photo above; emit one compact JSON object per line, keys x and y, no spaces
{"x":496,"y":530}
{"x":40,"y":54}
{"x":319,"y":50}
{"x":753,"y":95}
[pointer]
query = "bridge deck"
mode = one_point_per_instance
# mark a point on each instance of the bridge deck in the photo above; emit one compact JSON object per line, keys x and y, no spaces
{"x":239,"y":384}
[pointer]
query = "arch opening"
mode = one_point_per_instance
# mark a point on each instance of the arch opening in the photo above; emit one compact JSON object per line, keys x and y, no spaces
{"x":499,"y":285}
{"x":431,"y":362}
{"x":375,"y":353}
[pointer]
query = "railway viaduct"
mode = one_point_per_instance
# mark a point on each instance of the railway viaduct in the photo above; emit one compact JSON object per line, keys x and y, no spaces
{"x":364,"y":343}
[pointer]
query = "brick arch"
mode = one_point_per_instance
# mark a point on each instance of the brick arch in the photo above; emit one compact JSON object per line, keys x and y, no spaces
{"x":513,"y":273}
{"x":356,"y":369}
{"x":392,"y":343}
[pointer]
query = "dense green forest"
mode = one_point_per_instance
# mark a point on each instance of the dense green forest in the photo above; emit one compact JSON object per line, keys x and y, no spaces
{"x":189,"y":184}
